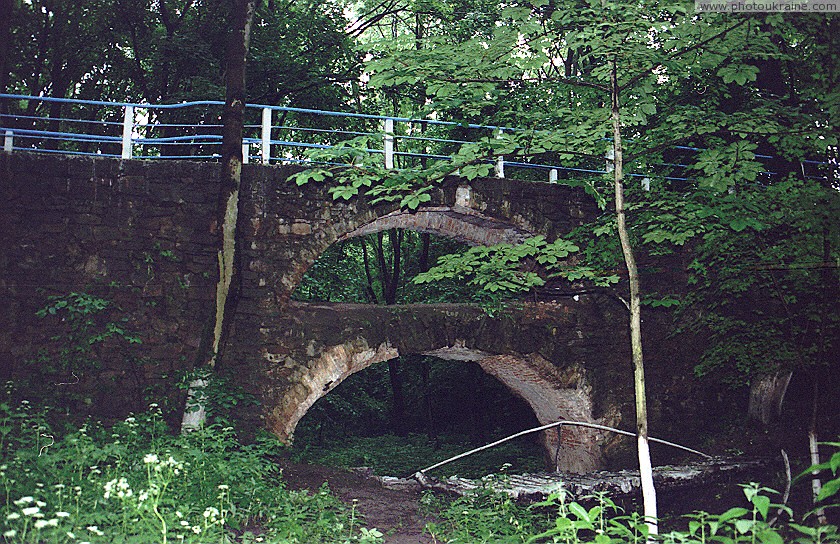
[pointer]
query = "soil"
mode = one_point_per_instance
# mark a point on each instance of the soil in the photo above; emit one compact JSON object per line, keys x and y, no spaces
{"x":395,"y":513}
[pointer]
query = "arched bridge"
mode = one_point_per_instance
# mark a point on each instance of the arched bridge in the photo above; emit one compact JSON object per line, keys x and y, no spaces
{"x":144,"y":233}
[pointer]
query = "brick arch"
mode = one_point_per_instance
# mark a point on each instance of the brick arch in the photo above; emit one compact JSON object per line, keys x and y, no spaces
{"x":529,"y":377}
{"x":458,"y":222}
{"x":289,"y":227}
{"x":553,"y":389}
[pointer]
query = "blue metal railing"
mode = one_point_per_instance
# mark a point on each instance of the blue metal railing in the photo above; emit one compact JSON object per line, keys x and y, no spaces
{"x":274,"y":134}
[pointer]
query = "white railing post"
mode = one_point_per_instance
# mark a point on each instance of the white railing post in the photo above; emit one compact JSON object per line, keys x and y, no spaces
{"x":128,"y":128}
{"x":389,"y":144}
{"x":9,"y":141}
{"x":266,"y":135}
{"x":246,"y":152}
{"x":552,"y":175}
{"x":500,"y":160}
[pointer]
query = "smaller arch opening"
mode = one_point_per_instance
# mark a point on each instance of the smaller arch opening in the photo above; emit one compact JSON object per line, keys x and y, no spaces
{"x":441,"y":408}
{"x":378,"y":268}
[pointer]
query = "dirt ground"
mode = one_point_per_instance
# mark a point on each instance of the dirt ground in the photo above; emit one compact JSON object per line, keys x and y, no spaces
{"x":395,"y":513}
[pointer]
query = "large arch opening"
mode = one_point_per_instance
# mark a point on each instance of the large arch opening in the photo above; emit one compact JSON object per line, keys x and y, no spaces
{"x":450,"y":407}
{"x":551,"y":393}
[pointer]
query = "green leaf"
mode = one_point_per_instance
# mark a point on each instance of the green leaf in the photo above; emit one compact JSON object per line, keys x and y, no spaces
{"x":769,"y":536}
{"x":743,"y":526}
{"x":762,"y":503}
{"x":829,"y":489}
{"x":732,"y":513}
{"x":579,"y":511}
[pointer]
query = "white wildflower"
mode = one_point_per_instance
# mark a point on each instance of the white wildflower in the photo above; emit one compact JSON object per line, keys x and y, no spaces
{"x":10,"y":533}
{"x":95,"y":530}
{"x":150,"y":458}
{"x":24,"y":500}
{"x":13,"y":516}
{"x":62,"y":514}
{"x":31,"y":511}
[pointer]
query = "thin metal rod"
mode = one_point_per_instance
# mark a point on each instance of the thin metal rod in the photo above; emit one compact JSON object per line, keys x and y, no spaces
{"x":557,"y":424}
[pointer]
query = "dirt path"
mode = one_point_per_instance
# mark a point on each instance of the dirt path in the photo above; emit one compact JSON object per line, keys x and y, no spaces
{"x":395,"y":513}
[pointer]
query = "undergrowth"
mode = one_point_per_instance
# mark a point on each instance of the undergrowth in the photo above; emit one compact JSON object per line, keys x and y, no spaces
{"x":487,"y":516}
{"x":391,"y":455}
{"x":135,"y":482}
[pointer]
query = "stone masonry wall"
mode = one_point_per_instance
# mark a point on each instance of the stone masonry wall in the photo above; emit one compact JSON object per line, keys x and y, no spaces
{"x":135,"y":233}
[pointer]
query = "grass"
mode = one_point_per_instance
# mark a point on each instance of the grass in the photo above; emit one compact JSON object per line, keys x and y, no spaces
{"x":390,"y":455}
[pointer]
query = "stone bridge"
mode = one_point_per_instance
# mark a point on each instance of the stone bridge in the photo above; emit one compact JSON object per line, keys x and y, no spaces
{"x":143,"y":234}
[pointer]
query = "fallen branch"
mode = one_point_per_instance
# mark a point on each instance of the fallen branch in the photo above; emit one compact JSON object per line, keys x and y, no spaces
{"x":549,"y":426}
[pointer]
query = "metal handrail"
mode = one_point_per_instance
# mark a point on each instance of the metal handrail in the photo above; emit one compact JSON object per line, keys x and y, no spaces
{"x":145,"y":135}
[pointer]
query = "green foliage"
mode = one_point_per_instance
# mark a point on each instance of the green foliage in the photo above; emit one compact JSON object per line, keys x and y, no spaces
{"x":220,"y":396}
{"x":88,"y":325}
{"x":502,"y":270}
{"x":134,"y":482}
{"x":727,"y":165}
{"x":832,"y":486}
{"x":172,"y":50}
{"x":481,"y":516}
{"x":762,"y":282}
{"x":485,"y":516}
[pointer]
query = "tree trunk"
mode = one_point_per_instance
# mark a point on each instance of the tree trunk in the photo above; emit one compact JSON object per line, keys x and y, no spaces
{"x":645,"y":468}
{"x":397,"y":398}
{"x":814,"y":450}
{"x":242,"y":16}
{"x":6,"y":7}
{"x":371,"y":293}
{"x":425,"y":376}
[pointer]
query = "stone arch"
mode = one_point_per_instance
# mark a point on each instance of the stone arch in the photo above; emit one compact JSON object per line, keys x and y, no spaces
{"x":458,"y":222}
{"x":552,"y":393}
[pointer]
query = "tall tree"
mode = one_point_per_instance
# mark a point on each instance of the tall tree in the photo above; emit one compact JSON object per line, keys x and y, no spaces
{"x":227,"y":216}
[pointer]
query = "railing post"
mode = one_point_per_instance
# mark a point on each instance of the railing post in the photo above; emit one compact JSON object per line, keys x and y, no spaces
{"x":246,"y":152}
{"x":266,"y":135}
{"x":9,"y":141}
{"x":389,"y":144}
{"x":128,"y":128}
{"x":609,"y":166}
{"x":500,"y":160}
{"x":552,"y":175}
